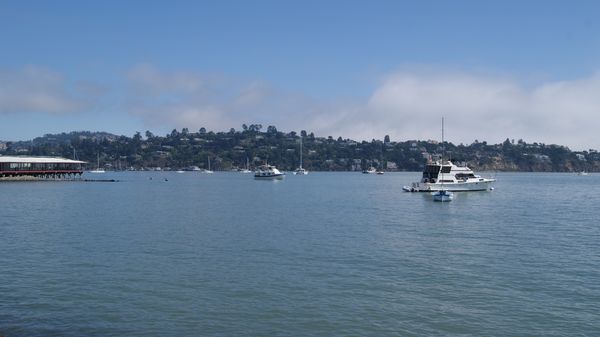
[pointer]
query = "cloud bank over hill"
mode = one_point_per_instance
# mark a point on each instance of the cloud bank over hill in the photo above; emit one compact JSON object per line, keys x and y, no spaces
{"x":407,"y":104}
{"x":483,"y":107}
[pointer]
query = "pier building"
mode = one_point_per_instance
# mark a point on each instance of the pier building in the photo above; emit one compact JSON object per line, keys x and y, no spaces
{"x":39,"y":167}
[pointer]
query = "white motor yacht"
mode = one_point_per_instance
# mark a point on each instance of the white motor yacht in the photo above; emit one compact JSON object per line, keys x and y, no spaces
{"x":438,"y":176}
{"x":268,"y":172}
{"x":370,"y":170}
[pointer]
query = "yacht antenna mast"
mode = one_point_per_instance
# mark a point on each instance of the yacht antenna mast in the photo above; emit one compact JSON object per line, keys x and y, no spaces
{"x":443,"y":145}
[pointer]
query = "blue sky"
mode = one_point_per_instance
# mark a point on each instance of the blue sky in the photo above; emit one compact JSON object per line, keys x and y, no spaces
{"x":357,"y":69}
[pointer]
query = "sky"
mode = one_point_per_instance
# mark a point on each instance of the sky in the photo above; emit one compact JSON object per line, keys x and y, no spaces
{"x":357,"y":69}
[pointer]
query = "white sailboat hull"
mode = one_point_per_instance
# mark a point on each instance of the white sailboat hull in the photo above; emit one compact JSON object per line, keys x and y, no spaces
{"x":97,"y":171}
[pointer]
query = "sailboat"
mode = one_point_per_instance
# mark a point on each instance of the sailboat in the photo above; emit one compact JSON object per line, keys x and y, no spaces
{"x":442,"y":195}
{"x":209,"y":170}
{"x":247,"y":169}
{"x":300,"y":170}
{"x":98,"y":169}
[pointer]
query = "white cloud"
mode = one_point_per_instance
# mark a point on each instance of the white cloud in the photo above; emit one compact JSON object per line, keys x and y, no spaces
{"x":409,"y":105}
{"x":37,"y":89}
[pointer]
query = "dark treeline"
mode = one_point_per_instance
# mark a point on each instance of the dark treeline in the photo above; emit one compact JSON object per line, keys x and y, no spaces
{"x":230,"y":150}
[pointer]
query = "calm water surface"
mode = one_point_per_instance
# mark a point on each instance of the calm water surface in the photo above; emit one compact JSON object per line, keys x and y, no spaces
{"x":327,"y":254}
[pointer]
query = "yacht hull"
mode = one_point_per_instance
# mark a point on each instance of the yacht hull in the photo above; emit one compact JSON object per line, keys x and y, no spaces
{"x":270,"y":177}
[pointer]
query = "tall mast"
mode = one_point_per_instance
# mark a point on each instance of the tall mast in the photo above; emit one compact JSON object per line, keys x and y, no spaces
{"x":443,"y":153}
{"x":443,"y":145}
{"x":300,"y":152}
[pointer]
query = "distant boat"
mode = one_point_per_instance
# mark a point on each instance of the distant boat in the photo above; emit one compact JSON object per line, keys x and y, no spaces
{"x":98,"y":169}
{"x":582,"y":173}
{"x":268,"y":172}
{"x":209,"y":171}
{"x":380,"y":172}
{"x":180,"y":171}
{"x":247,"y":169}
{"x":370,"y":170}
{"x":300,"y":170}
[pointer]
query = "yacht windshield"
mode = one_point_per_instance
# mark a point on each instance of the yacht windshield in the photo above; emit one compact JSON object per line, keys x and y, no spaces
{"x":431,"y":172}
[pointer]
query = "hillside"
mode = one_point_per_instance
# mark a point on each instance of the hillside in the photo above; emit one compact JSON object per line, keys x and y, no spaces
{"x":227,"y":150}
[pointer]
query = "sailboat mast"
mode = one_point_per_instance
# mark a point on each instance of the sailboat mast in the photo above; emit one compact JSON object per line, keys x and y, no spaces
{"x":443,"y":153}
{"x":300,"y":152}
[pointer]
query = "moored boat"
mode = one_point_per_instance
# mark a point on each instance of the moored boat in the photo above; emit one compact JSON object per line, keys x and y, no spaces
{"x":300,"y":170}
{"x":247,"y":168}
{"x":370,"y":170}
{"x":98,"y":169}
{"x":443,"y":196}
{"x":268,"y":172}
{"x":209,"y":171}
{"x":439,"y":176}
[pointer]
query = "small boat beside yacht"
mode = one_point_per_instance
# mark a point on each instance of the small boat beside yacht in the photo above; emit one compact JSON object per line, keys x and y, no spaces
{"x":442,"y":196}
{"x":268,"y":172}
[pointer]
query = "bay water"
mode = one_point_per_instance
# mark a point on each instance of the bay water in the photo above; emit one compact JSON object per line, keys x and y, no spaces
{"x":327,"y":254}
